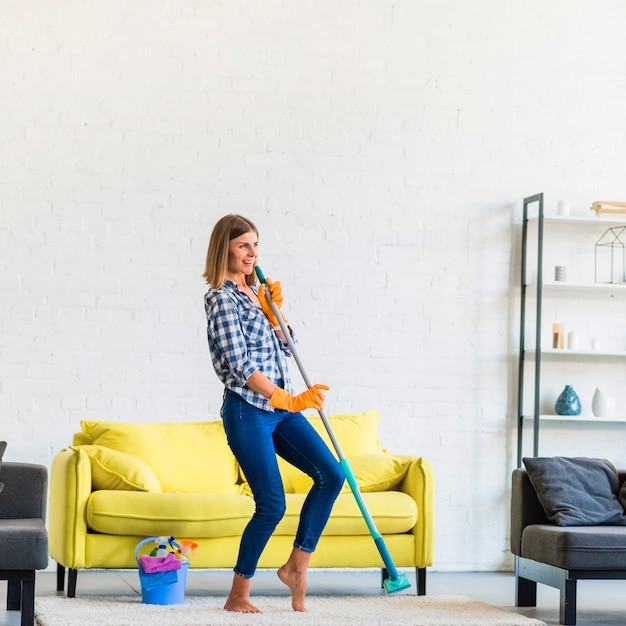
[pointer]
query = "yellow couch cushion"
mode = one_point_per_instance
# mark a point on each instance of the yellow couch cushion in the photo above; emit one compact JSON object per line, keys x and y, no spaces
{"x":373,"y":472}
{"x":179,"y":514}
{"x":111,"y":469}
{"x":357,"y":434}
{"x":189,"y":457}
{"x":226,"y":515}
{"x":392,"y":511}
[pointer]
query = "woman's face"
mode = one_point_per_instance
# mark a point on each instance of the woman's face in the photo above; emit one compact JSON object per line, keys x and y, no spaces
{"x":242,"y":254}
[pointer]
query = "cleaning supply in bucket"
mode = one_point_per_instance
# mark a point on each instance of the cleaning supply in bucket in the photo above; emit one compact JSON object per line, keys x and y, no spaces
{"x":163,"y":572}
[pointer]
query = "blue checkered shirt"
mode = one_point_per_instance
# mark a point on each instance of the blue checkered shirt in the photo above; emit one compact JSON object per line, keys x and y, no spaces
{"x":241,"y":342}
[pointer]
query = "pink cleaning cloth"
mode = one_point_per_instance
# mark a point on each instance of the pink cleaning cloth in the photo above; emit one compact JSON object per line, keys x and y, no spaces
{"x":154,"y":564}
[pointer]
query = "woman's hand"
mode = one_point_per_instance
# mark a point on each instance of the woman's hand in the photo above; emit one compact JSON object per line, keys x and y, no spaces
{"x":276,"y":295}
{"x":312,"y":398}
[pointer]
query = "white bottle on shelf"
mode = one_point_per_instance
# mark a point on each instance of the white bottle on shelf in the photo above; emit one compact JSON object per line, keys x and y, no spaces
{"x":601,"y":404}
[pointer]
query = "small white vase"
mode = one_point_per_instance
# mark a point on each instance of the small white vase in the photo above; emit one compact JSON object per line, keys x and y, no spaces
{"x":601,"y":404}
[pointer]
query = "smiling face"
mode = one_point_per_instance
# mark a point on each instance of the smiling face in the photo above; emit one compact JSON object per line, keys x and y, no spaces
{"x":242,"y":254}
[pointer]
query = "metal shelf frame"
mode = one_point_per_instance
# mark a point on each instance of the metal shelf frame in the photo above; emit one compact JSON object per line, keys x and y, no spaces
{"x":528,"y":202}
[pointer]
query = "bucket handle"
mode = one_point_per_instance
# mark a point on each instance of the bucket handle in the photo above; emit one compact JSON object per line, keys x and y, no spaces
{"x":143,"y":543}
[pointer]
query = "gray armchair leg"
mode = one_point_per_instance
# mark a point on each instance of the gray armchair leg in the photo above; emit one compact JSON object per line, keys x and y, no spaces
{"x":525,"y":592}
{"x":28,"y":600}
{"x":14,"y":595}
{"x":567,"y":608}
{"x":21,"y":594}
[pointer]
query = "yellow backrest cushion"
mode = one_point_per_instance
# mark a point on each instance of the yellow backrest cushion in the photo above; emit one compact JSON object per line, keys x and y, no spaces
{"x":373,"y":472}
{"x":357,"y":434}
{"x":111,"y":469}
{"x":189,"y":457}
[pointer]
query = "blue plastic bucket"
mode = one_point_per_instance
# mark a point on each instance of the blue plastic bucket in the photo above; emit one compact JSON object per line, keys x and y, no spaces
{"x":162,"y":587}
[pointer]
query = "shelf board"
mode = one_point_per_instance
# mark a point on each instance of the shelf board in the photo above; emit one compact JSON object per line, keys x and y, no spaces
{"x":569,"y":354}
{"x":605,"y":220}
{"x":568,"y":286}
{"x":576,"y":418}
{"x":579,"y":289}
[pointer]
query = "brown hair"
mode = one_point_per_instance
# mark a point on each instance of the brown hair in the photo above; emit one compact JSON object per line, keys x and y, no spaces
{"x":227,"y":228}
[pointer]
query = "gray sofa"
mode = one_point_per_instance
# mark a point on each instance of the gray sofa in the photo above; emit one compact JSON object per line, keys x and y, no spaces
{"x":559,"y":556}
{"x":23,"y":535}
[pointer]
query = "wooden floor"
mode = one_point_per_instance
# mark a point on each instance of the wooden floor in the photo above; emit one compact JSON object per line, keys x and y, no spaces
{"x":600,"y":603}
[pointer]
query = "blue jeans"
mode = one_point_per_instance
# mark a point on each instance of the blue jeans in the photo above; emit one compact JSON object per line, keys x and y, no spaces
{"x":255,"y":437}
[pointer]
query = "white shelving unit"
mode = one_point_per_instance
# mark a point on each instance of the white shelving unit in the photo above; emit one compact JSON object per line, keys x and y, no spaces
{"x":579,"y":294}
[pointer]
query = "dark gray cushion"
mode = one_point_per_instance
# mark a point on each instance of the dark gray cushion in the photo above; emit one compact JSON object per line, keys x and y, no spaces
{"x":576,"y":491}
{"x":23,"y":544}
{"x":576,"y":547}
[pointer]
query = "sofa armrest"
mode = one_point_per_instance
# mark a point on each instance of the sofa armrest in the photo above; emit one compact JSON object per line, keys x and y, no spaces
{"x":526,"y":508}
{"x":25,"y":491}
{"x":419,"y":483}
{"x":70,"y":488}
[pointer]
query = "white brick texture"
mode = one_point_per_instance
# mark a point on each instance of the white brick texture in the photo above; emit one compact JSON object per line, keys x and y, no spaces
{"x":381,"y":147}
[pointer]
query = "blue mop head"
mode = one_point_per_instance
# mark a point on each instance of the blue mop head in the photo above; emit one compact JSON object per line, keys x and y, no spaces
{"x":391,"y":585}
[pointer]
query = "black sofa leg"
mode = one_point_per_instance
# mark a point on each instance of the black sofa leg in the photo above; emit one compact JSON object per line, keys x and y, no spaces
{"x":567,"y":609}
{"x":420,"y":579}
{"x":525,"y":592}
{"x":71,"y":580}
{"x":60,"y":577}
{"x":71,"y":583}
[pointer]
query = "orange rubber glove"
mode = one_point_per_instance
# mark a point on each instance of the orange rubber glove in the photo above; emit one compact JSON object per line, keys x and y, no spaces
{"x":277,"y":298}
{"x":312,"y":398}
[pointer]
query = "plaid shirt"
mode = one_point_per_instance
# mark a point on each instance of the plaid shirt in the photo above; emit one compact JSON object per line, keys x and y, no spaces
{"x":241,"y":342}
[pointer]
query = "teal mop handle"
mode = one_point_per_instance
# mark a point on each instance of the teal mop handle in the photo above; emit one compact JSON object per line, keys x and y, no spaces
{"x":343,"y":462}
{"x":390,"y":566}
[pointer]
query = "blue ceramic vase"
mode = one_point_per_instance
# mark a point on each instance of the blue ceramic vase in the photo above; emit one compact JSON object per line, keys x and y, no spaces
{"x":568,"y":403}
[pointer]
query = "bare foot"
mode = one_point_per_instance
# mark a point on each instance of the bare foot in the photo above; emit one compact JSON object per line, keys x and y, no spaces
{"x":240,"y":604}
{"x":296,"y":581}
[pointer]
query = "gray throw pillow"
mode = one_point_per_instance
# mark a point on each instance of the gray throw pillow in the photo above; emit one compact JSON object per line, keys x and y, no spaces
{"x":576,"y":491}
{"x":3,"y":447}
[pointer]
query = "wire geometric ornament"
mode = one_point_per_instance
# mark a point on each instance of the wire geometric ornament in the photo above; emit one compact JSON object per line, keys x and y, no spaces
{"x":609,"y":248}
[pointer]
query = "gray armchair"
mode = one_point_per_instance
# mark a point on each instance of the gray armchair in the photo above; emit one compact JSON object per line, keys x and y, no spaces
{"x":23,"y":535}
{"x":559,"y":556}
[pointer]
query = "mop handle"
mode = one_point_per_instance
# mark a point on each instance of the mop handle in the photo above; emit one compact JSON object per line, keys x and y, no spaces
{"x":294,"y":352}
{"x":345,"y":466}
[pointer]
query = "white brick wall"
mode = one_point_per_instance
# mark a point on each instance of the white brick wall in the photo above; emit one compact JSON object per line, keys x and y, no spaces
{"x":381,"y":147}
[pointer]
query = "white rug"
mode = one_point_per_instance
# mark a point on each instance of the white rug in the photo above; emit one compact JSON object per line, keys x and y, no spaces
{"x":405,"y":610}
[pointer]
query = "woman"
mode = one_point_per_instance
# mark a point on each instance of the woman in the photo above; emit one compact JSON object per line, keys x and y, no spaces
{"x":261,"y":416}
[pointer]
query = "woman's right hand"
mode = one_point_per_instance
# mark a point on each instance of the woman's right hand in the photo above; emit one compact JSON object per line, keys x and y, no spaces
{"x":312,"y":398}
{"x":276,"y":296}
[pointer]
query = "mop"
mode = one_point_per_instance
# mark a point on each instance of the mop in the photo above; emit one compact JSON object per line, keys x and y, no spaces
{"x":396,"y":581}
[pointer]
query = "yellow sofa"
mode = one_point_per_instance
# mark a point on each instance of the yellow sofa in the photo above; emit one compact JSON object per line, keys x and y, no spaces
{"x":119,"y":483}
